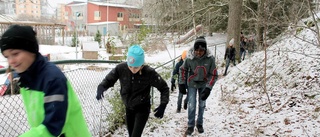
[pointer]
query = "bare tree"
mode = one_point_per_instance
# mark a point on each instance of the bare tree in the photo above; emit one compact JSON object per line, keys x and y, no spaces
{"x":234,"y":21}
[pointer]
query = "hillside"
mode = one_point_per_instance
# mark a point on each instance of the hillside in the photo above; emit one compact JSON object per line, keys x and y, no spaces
{"x":238,"y":105}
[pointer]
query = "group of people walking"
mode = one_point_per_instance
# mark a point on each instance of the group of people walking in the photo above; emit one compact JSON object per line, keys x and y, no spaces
{"x":53,"y":108}
{"x":246,"y":45}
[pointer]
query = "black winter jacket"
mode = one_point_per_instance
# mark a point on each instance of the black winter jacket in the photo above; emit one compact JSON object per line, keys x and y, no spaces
{"x":230,"y":53}
{"x":135,"y":88}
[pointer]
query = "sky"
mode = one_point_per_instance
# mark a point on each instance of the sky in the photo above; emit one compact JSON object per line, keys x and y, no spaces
{"x":238,"y":105}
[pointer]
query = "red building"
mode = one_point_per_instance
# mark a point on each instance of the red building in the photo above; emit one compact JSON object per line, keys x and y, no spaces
{"x":81,"y":16}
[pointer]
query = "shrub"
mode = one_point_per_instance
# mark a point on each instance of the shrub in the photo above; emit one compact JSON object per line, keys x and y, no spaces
{"x":116,"y":118}
{"x":97,"y":37}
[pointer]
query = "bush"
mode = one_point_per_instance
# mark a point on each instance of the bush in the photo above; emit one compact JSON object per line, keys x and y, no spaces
{"x":97,"y":37}
{"x":74,"y":39}
{"x":117,"y":117}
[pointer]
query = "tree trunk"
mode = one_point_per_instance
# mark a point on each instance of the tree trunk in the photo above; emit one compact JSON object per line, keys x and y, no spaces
{"x":260,"y":25}
{"x":234,"y":24}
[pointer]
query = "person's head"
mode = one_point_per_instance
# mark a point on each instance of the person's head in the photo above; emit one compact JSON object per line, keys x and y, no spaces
{"x":135,"y":58}
{"x":184,"y":55}
{"x":250,"y":38}
{"x":245,"y":39}
{"x":231,"y":42}
{"x":200,"y":46}
{"x":20,"y":46}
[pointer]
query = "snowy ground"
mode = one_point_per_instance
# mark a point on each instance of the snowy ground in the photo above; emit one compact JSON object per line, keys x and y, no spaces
{"x":238,"y":105}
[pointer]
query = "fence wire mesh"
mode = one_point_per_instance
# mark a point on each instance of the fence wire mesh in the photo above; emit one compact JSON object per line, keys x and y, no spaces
{"x":84,"y":79}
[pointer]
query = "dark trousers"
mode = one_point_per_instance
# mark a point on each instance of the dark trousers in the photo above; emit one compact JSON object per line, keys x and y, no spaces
{"x":228,"y":63}
{"x":136,"y":119}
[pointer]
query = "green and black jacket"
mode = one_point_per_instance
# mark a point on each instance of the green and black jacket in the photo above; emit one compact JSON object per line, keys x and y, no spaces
{"x":52,"y":106}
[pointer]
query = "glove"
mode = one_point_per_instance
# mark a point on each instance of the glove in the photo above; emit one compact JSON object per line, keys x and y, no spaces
{"x":205,"y":93}
{"x":159,"y":111}
{"x":100,"y":91}
{"x":182,"y":89}
{"x":173,"y":86}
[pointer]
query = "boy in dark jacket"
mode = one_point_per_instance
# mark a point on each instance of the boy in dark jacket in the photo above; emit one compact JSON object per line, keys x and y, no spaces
{"x":229,"y":56}
{"x":201,"y":72}
{"x":173,"y":82}
{"x":136,"y":80}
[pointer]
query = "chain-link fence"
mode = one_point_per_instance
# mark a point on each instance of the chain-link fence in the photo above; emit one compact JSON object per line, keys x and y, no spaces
{"x":84,"y":79}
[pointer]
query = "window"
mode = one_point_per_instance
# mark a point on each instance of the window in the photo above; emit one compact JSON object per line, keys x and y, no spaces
{"x":97,"y":15}
{"x":134,"y":17}
{"x":120,"y":16}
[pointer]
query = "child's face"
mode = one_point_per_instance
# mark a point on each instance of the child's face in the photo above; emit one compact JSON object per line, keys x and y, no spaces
{"x":199,"y":52}
{"x":134,"y":70}
{"x":19,"y":60}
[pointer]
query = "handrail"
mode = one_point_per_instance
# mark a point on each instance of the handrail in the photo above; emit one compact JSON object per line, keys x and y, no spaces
{"x":3,"y":70}
{"x":168,"y":62}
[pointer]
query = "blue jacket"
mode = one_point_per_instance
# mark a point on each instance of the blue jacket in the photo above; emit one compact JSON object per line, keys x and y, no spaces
{"x":176,"y":70}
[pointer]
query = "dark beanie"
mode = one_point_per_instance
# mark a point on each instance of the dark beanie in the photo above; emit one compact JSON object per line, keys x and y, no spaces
{"x":201,"y":43}
{"x":19,"y":37}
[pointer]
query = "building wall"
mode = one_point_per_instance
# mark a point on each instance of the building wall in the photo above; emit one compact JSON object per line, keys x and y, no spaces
{"x":124,"y":23}
{"x":27,"y":7}
{"x":72,"y":20}
{"x":60,"y":14}
{"x":107,"y":14}
{"x":7,"y":7}
{"x":112,"y":29}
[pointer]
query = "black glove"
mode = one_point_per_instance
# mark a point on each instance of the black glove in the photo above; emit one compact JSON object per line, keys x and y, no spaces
{"x":205,"y":93}
{"x":159,"y":111}
{"x":182,"y":89}
{"x":173,"y":86}
{"x":100,"y":91}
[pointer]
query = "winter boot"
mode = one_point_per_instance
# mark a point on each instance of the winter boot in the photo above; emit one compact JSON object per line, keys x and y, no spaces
{"x":185,"y":105}
{"x":189,"y":130}
{"x":178,"y":110}
{"x":225,"y":72}
{"x":200,"y":128}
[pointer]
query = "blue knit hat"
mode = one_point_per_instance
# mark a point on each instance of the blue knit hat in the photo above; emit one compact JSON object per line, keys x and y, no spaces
{"x":135,"y":56}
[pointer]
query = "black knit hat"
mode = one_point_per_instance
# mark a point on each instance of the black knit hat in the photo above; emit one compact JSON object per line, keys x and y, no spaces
{"x":19,"y":37}
{"x":201,"y":43}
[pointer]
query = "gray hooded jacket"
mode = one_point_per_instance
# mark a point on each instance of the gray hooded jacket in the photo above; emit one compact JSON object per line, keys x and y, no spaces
{"x":201,"y":72}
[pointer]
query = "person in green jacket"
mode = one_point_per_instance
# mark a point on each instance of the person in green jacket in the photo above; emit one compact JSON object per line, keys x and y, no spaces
{"x":51,"y":105}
